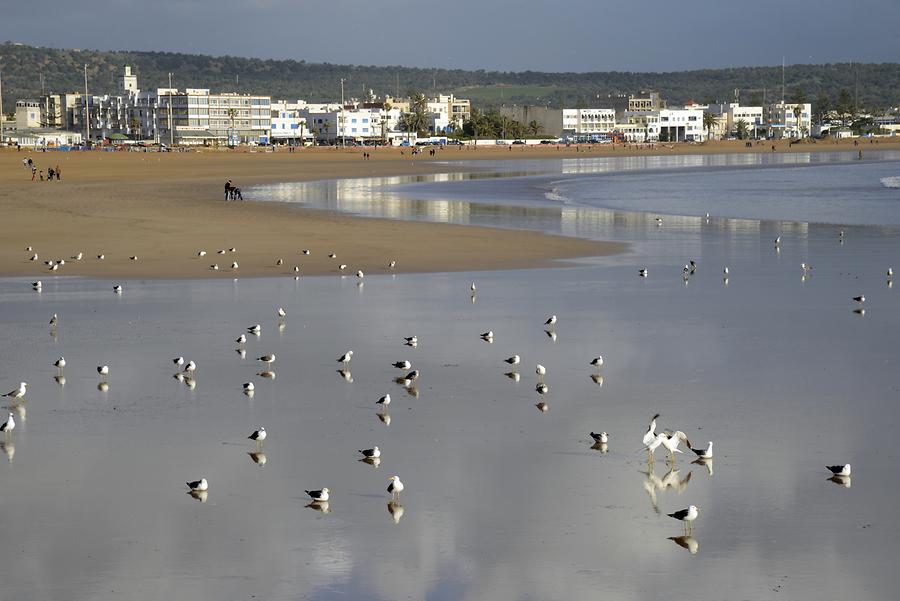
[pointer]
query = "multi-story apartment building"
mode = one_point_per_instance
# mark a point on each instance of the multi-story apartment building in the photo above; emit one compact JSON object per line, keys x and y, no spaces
{"x":355,"y":124}
{"x":195,"y":116}
{"x":788,"y":120}
{"x":729,"y":114}
{"x":676,"y":125}
{"x":289,"y":123}
{"x":579,"y":123}
{"x":28,"y":114}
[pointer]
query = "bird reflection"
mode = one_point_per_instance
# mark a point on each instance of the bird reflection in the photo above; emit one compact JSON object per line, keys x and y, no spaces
{"x":672,"y":480}
{"x":890,"y":283}
{"x":840,"y":480}
{"x":542,"y":407}
{"x":688,"y":542}
{"x":191,"y":383}
{"x":542,"y":388}
{"x":267,"y":374}
{"x":61,"y":380}
{"x":281,"y":327}
{"x":396,"y":510}
{"x":9,"y":448}
{"x":473,"y":298}
{"x":513,"y":375}
{"x":551,"y":334}
{"x":373,"y":461}
{"x":179,"y":376}
{"x":345,"y":373}
{"x":242,"y":352}
{"x":385,"y":418}
{"x":200,"y":495}
{"x":725,"y":281}
{"x":598,"y":379}
{"x":707,"y":463}
{"x":21,"y":410}
{"x":259,"y":458}
{"x":602,"y":447}
{"x":412,"y":391}
{"x":859,"y":311}
{"x":320,"y":506}
{"x":53,"y":335}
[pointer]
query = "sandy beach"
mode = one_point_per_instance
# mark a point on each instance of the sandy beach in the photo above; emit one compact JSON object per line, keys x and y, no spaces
{"x":165,"y":207}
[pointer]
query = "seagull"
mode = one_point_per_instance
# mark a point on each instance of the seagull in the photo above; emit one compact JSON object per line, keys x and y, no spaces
{"x":805,"y":267}
{"x":281,"y":312}
{"x":655,"y":442}
{"x":550,"y":321}
{"x":345,"y":358}
{"x":542,"y":388}
{"x":671,"y":442}
{"x":837,"y":470}
{"x":256,"y":329}
{"x":319,"y":496}
{"x":117,"y":289}
{"x":267,"y":358}
{"x":249,"y":387}
{"x":214,"y":267}
{"x":201,"y":253}
{"x":133,"y":258}
{"x":60,"y":363}
{"x":34,"y":257}
{"x":890,"y":272}
{"x":241,"y":339}
{"x":200,"y":485}
{"x":234,"y":265}
{"x":232,"y":250}
{"x":392,"y":264}
{"x":279,"y":262}
{"x":686,"y":515}
{"x":9,"y":425}
{"x":100,"y":257}
{"x":489,"y":335}
{"x":342,"y":266}
{"x":412,"y":376}
{"x":597,"y":362}
{"x":859,"y":299}
{"x":472,"y":287}
{"x":650,"y":435}
{"x":685,"y":270}
{"x":19,"y":392}
{"x":402,"y":364}
{"x":103,"y":370}
{"x":258,"y":435}
{"x":602,"y":437}
{"x":37,"y":285}
{"x":514,"y":360}
{"x":360,"y":274}
{"x":725,"y":271}
{"x":190,"y":368}
{"x":373,"y":453}
{"x":395,"y":487}
{"x":28,"y":249}
{"x":642,"y":272}
{"x":385,"y":400}
{"x":659,"y":221}
{"x":541,"y":371}
{"x":178,"y":361}
{"x":332,"y":255}
{"x":777,"y":240}
{"x":411,"y":340}
{"x":305,"y":251}
{"x":706,"y":453}
{"x":54,"y":320}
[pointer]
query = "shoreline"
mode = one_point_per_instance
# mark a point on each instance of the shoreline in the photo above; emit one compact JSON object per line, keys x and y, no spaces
{"x":165,"y":207}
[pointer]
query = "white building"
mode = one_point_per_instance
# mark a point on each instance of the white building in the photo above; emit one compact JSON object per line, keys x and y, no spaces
{"x":198,"y":117}
{"x":289,"y":123}
{"x":587,"y":123}
{"x":733,"y":112}
{"x":675,"y":125}
{"x":789,"y":120}
{"x":356,"y":124}
{"x":28,"y":114}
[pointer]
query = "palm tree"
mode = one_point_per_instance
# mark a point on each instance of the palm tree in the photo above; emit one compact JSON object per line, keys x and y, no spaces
{"x":741,"y":129}
{"x":135,"y":126}
{"x":534,"y":128}
{"x":798,"y":110}
{"x":709,"y":122}
{"x":232,"y":113}
{"x":325,"y":128}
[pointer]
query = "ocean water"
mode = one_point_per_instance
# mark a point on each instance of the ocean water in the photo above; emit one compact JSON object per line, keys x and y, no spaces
{"x":505,"y":497}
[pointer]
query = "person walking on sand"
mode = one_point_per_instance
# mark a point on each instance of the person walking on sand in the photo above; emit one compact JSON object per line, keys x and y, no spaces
{"x":236,"y":194}
{"x":33,"y":172}
{"x":227,"y":189}
{"x":57,"y":173}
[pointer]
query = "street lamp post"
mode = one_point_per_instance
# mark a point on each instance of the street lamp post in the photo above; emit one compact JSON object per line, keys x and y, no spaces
{"x":343,"y":140}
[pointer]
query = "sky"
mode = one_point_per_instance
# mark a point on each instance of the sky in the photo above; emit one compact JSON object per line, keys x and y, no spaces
{"x":506,"y":35}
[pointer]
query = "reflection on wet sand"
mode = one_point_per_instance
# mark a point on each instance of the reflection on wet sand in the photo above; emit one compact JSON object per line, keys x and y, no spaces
{"x":844,"y":481}
{"x":259,"y":457}
{"x":322,"y":506}
{"x":396,"y":510}
{"x":200,"y":495}
{"x":687,"y":542}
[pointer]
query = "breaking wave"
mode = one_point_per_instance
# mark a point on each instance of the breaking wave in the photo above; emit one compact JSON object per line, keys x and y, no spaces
{"x":891,"y":182}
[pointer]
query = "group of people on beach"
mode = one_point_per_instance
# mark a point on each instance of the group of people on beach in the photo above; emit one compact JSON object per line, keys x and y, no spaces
{"x":28,"y":164}
{"x":232,"y":192}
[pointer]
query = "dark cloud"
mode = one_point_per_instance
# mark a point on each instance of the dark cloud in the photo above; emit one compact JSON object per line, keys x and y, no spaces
{"x":573,"y":35}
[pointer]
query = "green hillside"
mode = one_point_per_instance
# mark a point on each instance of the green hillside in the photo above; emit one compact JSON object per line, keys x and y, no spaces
{"x":874,"y":85}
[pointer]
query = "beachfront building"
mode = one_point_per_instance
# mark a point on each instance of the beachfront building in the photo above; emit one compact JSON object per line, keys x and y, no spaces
{"x":289,"y":123}
{"x":573,"y":124}
{"x":730,"y":113}
{"x":448,"y":113}
{"x":646,"y":102}
{"x":195,"y":116}
{"x":44,"y":138}
{"x":675,"y":125}
{"x":28,"y":114}
{"x":358,"y":125}
{"x":107,"y":115}
{"x":788,"y":120}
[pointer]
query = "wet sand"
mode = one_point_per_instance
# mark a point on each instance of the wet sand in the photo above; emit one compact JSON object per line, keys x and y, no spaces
{"x":163,"y":208}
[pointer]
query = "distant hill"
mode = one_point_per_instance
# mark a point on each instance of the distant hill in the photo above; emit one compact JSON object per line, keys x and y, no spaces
{"x":873,"y":85}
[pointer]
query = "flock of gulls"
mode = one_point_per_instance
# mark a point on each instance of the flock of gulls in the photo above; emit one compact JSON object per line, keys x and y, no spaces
{"x":651,"y":440}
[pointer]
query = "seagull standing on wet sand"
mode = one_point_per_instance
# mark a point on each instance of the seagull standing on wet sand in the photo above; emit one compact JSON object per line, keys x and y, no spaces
{"x":671,"y":442}
{"x":241,"y":339}
{"x":541,"y":371}
{"x":190,"y":368}
{"x":255,"y":329}
{"x":19,"y":392}
{"x":602,"y":437}
{"x":385,"y":400}
{"x":319,"y":496}
{"x":54,"y":320}
{"x":178,"y":361}
{"x":551,"y":321}
{"x":373,"y":453}
{"x":345,"y":358}
{"x":103,"y":371}
{"x":395,"y":487}
{"x":860,"y":299}
{"x":514,"y":360}
{"x":60,"y":364}
{"x":9,"y":425}
{"x":200,"y":485}
{"x":706,"y":453}
{"x":597,"y":362}
{"x":258,"y":435}
{"x":687,"y":516}
{"x":643,"y":272}
{"x":402,"y":364}
{"x":281,"y":313}
{"x":268,"y":359}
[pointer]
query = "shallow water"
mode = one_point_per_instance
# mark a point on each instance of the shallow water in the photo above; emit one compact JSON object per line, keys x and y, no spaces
{"x":502,"y":500}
